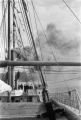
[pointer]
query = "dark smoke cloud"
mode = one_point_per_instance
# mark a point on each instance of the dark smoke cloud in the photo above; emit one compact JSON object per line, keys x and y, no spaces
{"x":56,"y":39}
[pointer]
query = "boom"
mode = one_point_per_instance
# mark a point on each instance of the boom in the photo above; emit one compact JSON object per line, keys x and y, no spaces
{"x":37,"y":63}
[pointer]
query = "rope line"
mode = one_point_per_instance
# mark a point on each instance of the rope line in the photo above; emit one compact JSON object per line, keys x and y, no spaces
{"x":77,"y":78}
{"x":37,"y":31}
{"x":42,"y":28}
{"x":72,"y":11}
{"x":5,"y":10}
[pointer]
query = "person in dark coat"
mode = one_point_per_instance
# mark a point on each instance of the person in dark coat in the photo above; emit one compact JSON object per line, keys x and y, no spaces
{"x":55,"y":109}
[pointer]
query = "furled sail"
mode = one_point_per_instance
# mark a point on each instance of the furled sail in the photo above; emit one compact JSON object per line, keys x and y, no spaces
{"x":4,"y":87}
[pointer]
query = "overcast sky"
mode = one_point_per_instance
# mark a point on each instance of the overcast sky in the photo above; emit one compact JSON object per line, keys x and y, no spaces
{"x":56,"y":12}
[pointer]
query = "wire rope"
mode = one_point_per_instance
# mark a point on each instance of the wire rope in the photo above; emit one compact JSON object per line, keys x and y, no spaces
{"x":3,"y":17}
{"x":37,"y":31}
{"x":71,"y":11}
{"x":77,"y":78}
{"x":24,"y":20}
{"x":42,"y":27}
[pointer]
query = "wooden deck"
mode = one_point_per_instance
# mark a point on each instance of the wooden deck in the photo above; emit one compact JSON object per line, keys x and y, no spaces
{"x":30,"y":119}
{"x":22,"y":111}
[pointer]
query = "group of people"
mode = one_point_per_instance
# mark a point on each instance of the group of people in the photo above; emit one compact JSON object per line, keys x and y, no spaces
{"x":25,"y":87}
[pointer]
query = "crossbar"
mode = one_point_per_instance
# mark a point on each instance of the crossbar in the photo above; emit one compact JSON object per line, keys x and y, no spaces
{"x":37,"y":63}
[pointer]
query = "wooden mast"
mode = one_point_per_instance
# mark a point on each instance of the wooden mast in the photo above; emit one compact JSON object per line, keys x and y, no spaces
{"x":38,"y":63}
{"x":9,"y":51}
{"x":12,"y":51}
{"x":45,"y":94}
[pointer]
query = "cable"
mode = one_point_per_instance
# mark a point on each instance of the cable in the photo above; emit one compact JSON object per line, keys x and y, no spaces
{"x":45,"y":93}
{"x":45,"y":35}
{"x":65,"y":71}
{"x":71,"y":11}
{"x":37,"y":31}
{"x":25,"y":24}
{"x":69,"y":79}
{"x":4,"y":26}
{"x":3,"y":17}
{"x":3,"y":7}
{"x":42,"y":28}
{"x":44,"y":32}
{"x":22,"y":56}
{"x":58,"y":73}
{"x":21,"y":42}
{"x":38,"y":39}
{"x":21,"y":39}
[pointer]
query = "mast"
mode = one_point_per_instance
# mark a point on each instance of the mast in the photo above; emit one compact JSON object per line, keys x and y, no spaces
{"x":45,"y":94}
{"x":9,"y":51}
{"x":12,"y":52}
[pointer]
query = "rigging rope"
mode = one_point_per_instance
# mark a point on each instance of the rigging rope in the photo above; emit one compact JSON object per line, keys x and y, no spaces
{"x":77,"y":78}
{"x":45,"y":93}
{"x":4,"y":28}
{"x":71,"y":11}
{"x":24,"y":17}
{"x":43,"y":29}
{"x":33,"y":45}
{"x":52,"y":49}
{"x":37,"y":31}
{"x":20,"y":37}
{"x":21,"y":42}
{"x":25,"y":24}
{"x":5,"y":10}
{"x":44,"y":34}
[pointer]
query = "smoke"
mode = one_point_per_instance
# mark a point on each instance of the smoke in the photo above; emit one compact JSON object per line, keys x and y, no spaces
{"x":56,"y":39}
{"x":66,"y":45}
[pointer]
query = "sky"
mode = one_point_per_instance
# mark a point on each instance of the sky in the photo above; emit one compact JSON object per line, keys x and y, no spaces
{"x":63,"y":21}
{"x":62,"y":29}
{"x":56,"y":13}
{"x":64,"y":36}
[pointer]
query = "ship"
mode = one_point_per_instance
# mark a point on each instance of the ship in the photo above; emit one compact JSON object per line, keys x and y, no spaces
{"x":26,"y":101}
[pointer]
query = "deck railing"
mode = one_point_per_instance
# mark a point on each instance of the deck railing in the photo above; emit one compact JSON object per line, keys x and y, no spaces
{"x":70,"y":98}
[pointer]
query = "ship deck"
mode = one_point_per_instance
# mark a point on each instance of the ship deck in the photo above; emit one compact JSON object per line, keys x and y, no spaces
{"x":22,"y":111}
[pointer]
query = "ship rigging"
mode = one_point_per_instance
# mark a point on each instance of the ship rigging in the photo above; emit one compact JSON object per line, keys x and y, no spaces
{"x":11,"y":63}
